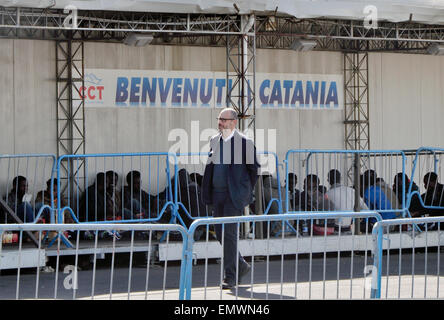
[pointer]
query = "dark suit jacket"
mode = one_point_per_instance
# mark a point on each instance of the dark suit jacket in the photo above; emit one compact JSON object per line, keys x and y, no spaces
{"x":242,"y":171}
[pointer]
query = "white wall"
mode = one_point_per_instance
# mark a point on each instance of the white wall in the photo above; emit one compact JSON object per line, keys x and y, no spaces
{"x":28,"y":110}
{"x":406,"y":99}
{"x":28,"y":99}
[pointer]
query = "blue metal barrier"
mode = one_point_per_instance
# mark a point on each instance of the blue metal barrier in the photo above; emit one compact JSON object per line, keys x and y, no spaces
{"x":433,"y":167}
{"x":26,"y":285}
{"x":320,"y":162}
{"x":278,"y":200}
{"x":381,"y":232}
{"x":183,"y":160}
{"x":37,"y":168}
{"x":126,"y":162}
{"x":254,"y":219}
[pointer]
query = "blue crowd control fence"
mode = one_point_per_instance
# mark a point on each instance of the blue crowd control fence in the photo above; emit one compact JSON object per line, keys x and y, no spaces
{"x":191,"y":168}
{"x":310,"y":169}
{"x":65,"y":278}
{"x":411,"y":264}
{"x":32,"y":201}
{"x":426,"y":197}
{"x":297,"y":277}
{"x":271,"y":191}
{"x":124,"y":187}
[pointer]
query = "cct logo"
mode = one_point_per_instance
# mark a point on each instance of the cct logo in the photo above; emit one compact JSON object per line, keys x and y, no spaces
{"x":93,"y":91}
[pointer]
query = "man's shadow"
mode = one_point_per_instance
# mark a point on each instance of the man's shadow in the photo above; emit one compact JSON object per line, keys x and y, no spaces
{"x":244,"y":291}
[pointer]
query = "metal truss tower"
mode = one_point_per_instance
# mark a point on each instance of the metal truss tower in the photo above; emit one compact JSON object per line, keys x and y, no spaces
{"x":356,"y":106}
{"x":240,"y":70}
{"x":357,"y":128}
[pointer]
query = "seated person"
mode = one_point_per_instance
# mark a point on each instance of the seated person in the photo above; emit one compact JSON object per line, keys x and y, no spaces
{"x":44,"y":198}
{"x":293,"y":193}
{"x":270,"y":191}
{"x":19,"y":201}
{"x":433,"y":196}
{"x":376,"y":199}
{"x":343,"y":198}
{"x":415,"y":204}
{"x":92,"y":201}
{"x":312,"y":199}
{"x":114,"y":209}
{"x":197,"y":178}
{"x":136,"y":200}
{"x":190,"y":195}
{"x":322,"y":189}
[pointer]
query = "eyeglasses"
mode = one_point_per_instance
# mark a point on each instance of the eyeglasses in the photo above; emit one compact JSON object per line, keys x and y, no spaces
{"x":224,"y":119}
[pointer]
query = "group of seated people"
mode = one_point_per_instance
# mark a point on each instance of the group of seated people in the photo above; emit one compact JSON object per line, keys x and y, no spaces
{"x":104,"y":200}
{"x":374,"y":194}
{"x":20,"y":202}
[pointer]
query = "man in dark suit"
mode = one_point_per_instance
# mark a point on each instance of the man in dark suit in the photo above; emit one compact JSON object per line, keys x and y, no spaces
{"x":228,"y":184}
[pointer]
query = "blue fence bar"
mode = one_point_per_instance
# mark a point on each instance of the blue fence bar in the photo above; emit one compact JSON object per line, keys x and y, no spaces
{"x":346,"y":171}
{"x":103,"y":201}
{"x":291,"y":216}
{"x":35,"y":199}
{"x":77,"y":284}
{"x":420,"y":262}
{"x":427,"y":198}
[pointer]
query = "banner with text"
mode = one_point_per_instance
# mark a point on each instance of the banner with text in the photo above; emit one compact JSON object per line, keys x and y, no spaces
{"x":192,"y":89}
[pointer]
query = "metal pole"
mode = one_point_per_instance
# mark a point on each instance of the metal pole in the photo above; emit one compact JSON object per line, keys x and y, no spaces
{"x":357,"y":208}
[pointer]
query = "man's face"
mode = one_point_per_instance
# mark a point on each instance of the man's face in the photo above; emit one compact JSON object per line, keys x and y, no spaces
{"x":428,"y":183}
{"x":136,"y":183}
{"x":292,"y":182}
{"x":54,"y":189}
{"x":22,"y":187}
{"x":310,"y":185}
{"x":111,"y":181}
{"x":226,"y":123}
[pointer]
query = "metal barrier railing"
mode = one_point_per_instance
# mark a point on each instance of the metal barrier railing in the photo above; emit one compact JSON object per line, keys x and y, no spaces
{"x":271,"y":194}
{"x":346,"y":171}
{"x":150,"y":190}
{"x":427,"y":198}
{"x":191,"y":167}
{"x":318,"y":266}
{"x":28,"y":181}
{"x":298,"y":277}
{"x":418,"y":275}
{"x":121,"y":277}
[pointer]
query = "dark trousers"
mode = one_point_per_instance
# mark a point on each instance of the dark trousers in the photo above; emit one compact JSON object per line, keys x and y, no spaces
{"x":25,"y":212}
{"x":223,"y":207}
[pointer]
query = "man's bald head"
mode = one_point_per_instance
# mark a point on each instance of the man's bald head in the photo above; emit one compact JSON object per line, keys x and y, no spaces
{"x":227,"y":121}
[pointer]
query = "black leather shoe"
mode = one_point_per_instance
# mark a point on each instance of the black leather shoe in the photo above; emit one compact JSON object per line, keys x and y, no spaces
{"x":243,"y":271}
